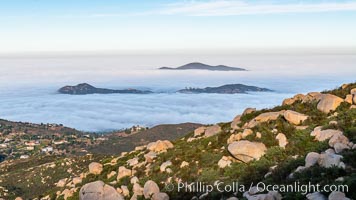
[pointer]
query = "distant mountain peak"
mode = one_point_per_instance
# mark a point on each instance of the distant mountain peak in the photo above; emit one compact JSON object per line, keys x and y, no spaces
{"x":202,"y":66}
{"x":226,"y":89}
{"x":85,"y":88}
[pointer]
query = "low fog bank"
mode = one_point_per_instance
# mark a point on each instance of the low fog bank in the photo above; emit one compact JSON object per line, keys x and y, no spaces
{"x":28,"y":88}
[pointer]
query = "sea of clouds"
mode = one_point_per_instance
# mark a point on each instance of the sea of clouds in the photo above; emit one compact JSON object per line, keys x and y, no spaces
{"x":29,"y":84}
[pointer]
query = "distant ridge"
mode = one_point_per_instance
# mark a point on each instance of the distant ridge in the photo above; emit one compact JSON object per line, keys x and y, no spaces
{"x":85,"y":88}
{"x":225,"y":89}
{"x":201,"y":66}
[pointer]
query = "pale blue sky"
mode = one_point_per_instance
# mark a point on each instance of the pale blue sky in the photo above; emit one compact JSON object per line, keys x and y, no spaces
{"x":92,"y":25}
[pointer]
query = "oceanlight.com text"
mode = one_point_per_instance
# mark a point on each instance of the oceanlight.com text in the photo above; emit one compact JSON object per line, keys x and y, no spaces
{"x":235,"y":187}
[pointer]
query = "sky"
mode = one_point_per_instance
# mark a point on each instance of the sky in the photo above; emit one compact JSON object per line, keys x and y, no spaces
{"x":131,"y":25}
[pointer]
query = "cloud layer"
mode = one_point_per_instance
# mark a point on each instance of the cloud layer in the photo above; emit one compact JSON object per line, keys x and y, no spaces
{"x":28,"y":85}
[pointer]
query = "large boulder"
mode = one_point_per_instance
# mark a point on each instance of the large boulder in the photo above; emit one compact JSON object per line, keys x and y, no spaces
{"x":98,"y":191}
{"x":224,"y":162}
{"x":328,"y":160}
{"x":150,"y":188}
{"x":199,"y":131}
{"x":248,"y":111}
{"x":335,"y":195}
{"x":312,"y":96}
{"x":339,"y":147}
{"x":165,"y":165}
{"x":234,"y":137}
{"x":246,"y":133}
{"x":338,"y":138}
{"x":322,"y":135}
{"x":353,"y":91}
{"x":294,"y":117}
{"x":303,"y":98}
{"x":316,"y":196}
{"x":184,"y":164}
{"x":137,"y":189}
{"x":247,"y":151}
{"x":62,"y":182}
{"x":159,"y":146}
{"x":271,"y":195}
{"x":111,"y":174}
{"x":311,"y":159}
{"x":212,"y":130}
{"x":67,"y":193}
{"x":329,"y":102}
{"x":150,"y":156}
{"x":123,"y":172}
{"x":125,"y":190}
{"x":235,"y":122}
{"x":77,"y":180}
{"x":264,"y":117}
{"x":288,"y":101}
{"x":349,"y":98}
{"x":345,"y":85}
{"x":95,"y":168}
{"x":132,"y":162}
{"x":282,"y":140}
{"x":160,"y":196}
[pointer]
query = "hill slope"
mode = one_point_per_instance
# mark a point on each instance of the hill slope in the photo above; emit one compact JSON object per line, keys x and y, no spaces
{"x":310,"y":139}
{"x":115,"y":145}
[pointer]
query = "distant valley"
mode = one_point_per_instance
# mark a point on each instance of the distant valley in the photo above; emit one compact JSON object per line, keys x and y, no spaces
{"x":201,"y":66}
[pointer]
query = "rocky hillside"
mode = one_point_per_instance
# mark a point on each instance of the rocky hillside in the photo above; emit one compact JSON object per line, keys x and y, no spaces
{"x":309,"y":139}
{"x":116,"y":144}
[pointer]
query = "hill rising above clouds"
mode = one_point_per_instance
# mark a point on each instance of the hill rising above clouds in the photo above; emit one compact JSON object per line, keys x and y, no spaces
{"x":201,"y":66}
{"x":85,"y":88}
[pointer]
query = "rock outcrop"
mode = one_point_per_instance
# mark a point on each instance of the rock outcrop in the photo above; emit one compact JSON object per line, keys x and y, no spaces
{"x":160,"y":196}
{"x":150,"y":189}
{"x":224,"y":162}
{"x":199,"y":131}
{"x":282,"y":140}
{"x":322,"y":135}
{"x":247,"y":151}
{"x":329,"y":102}
{"x":212,"y":130}
{"x":235,"y":122}
{"x":311,"y":159}
{"x":164,"y":166}
{"x":95,"y":168}
{"x":294,"y":117}
{"x":150,"y":156}
{"x":123,"y":172}
{"x":98,"y":191}
{"x":312,"y":96}
{"x":248,"y":111}
{"x":159,"y":146}
{"x":335,"y":195}
{"x":316,"y":196}
{"x":264,"y":117}
{"x":328,"y":160}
